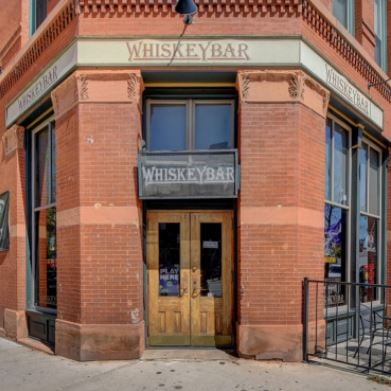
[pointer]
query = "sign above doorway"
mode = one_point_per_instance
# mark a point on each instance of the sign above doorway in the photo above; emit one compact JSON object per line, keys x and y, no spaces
{"x":171,"y":175}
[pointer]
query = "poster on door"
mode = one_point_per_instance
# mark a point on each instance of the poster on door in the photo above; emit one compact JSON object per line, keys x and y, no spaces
{"x":169,"y":281}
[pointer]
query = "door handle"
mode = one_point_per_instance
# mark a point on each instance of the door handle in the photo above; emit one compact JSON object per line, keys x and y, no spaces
{"x":195,"y":290}
{"x":182,"y":292}
{"x":195,"y":293}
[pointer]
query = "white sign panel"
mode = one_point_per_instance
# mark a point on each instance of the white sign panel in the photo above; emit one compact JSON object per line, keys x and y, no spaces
{"x":42,"y":85}
{"x":340,"y":84}
{"x":188,"y":52}
{"x":201,"y":52}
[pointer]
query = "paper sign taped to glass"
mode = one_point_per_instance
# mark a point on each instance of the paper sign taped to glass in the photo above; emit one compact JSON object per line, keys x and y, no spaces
{"x":4,"y":228}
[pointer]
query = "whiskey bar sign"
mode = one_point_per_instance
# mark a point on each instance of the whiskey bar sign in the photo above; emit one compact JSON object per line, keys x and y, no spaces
{"x":142,"y":50}
{"x":188,"y":175}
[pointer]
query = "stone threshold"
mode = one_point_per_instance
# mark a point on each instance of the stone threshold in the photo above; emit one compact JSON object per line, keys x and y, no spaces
{"x":204,"y":354}
{"x":36,"y":345}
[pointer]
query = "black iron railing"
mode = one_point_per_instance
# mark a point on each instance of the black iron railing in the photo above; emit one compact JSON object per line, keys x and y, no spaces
{"x":347,"y":323}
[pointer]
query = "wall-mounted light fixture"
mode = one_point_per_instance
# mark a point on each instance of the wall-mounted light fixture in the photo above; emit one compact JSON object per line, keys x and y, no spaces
{"x":187,"y":8}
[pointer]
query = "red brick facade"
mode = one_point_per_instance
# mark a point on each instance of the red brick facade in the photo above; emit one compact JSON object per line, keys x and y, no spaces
{"x":98,"y":115}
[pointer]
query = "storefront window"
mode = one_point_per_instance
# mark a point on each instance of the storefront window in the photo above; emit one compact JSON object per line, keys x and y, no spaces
{"x":44,"y":217}
{"x":370,"y":217}
{"x":338,"y":266}
{"x":189,"y":124}
{"x":336,"y":210}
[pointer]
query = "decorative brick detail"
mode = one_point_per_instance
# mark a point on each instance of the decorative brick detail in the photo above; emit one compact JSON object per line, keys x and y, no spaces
{"x":12,"y":140}
{"x":325,"y":29}
{"x":59,"y":23}
{"x":97,"y":86}
{"x":304,"y":9}
{"x":164,"y":7}
{"x":283,"y":86}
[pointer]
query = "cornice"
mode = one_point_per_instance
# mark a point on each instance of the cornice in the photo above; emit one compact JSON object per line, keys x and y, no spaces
{"x":310,"y":12}
{"x":205,"y":7}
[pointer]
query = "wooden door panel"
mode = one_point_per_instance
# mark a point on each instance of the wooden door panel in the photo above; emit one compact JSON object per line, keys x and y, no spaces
{"x":169,"y":313}
{"x":211,"y":300}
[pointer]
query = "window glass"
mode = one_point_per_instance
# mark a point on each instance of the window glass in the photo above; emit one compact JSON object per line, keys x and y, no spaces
{"x":40,"y":12}
{"x":363,"y":172}
{"x":211,"y":260}
{"x":380,"y":8}
{"x":53,"y":171}
{"x":46,"y":264}
{"x":44,"y":218}
{"x":42,"y":156}
{"x":167,"y":127}
{"x":340,"y":10}
{"x":328,"y":160}
{"x":374,"y":182}
{"x":335,"y":252}
{"x":341,"y":165}
{"x":169,"y":259}
{"x":213,"y":126}
{"x":368,"y":257}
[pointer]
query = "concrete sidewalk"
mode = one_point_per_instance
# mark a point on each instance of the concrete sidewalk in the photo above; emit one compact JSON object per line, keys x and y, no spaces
{"x":23,"y":369}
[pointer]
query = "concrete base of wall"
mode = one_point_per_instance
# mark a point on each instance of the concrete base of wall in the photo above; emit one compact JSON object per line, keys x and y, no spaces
{"x":281,"y":342}
{"x":15,"y":324}
{"x":87,"y":342}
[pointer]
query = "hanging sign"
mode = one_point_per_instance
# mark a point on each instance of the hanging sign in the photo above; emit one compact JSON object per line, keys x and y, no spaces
{"x":188,"y":175}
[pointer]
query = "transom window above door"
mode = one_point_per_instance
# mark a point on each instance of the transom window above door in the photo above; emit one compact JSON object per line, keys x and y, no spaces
{"x":189,"y":124}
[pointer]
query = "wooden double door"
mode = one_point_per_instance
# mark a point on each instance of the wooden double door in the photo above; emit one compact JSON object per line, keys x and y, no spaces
{"x":190,"y":277}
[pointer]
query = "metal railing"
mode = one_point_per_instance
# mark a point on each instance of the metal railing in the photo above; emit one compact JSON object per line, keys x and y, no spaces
{"x":347,"y":323}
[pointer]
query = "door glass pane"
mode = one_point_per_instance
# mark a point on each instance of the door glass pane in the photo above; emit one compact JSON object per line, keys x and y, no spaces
{"x":363,"y":171}
{"x":328,"y":160}
{"x":374,"y":182}
{"x":167,"y":127}
{"x":42,"y":157}
{"x":341,"y":164}
{"x":367,"y":260}
{"x":335,"y":253}
{"x":169,"y":259}
{"x":211,"y":260}
{"x":213,"y":126}
{"x":46,"y":258}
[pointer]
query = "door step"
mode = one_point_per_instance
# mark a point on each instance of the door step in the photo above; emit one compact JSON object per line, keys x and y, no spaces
{"x":204,"y":354}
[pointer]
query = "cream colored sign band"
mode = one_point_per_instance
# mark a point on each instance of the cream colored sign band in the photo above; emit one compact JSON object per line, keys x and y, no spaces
{"x":202,"y":52}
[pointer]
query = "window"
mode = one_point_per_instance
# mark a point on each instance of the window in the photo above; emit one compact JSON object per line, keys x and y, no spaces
{"x":43,"y":173}
{"x":381,"y":32}
{"x":343,"y":10}
{"x":337,"y":208}
{"x":339,"y":263}
{"x":191,"y":124}
{"x":4,"y":226}
{"x":370,"y":219}
{"x":38,"y":13}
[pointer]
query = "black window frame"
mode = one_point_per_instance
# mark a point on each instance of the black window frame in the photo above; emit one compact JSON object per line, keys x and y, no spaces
{"x":190,"y":97}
